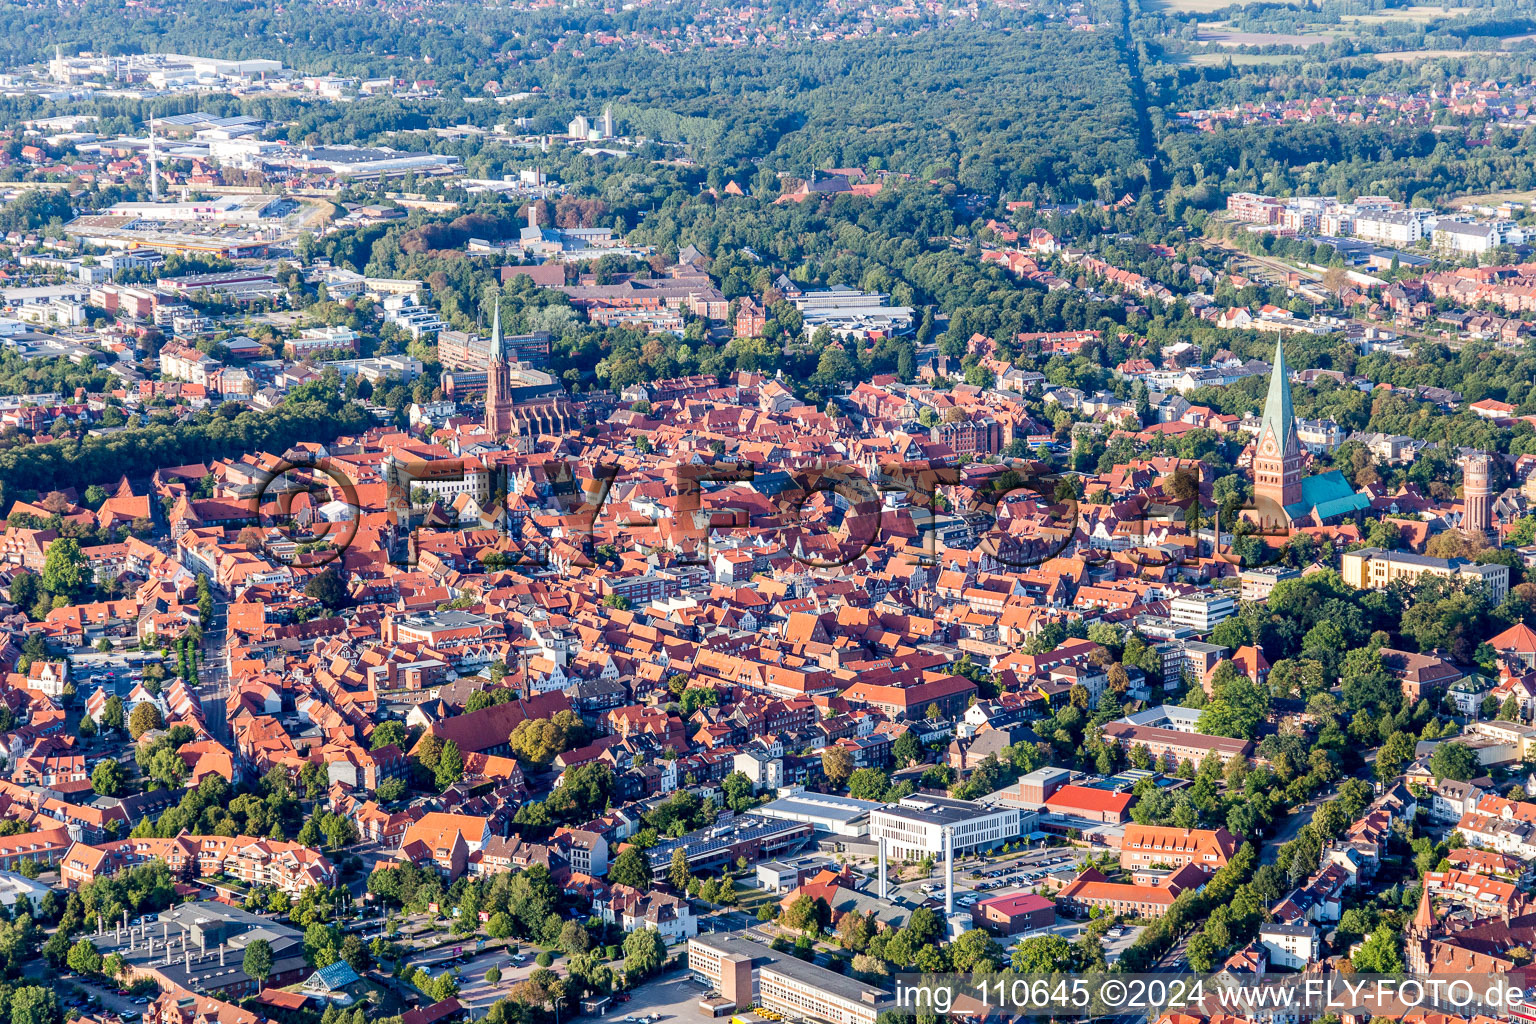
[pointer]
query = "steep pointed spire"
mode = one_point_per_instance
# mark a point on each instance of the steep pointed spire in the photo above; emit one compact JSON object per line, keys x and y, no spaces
{"x":498,"y":349}
{"x":1278,"y":412}
{"x":1424,"y":917}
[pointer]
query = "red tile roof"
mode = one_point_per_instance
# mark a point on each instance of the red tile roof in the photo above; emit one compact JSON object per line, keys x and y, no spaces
{"x":1086,"y":798}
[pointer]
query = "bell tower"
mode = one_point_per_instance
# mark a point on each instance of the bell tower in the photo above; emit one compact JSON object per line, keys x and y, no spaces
{"x":1277,"y":452}
{"x":498,"y":400}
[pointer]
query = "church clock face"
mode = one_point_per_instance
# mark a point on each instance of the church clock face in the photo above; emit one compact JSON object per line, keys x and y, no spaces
{"x":1269,"y":445}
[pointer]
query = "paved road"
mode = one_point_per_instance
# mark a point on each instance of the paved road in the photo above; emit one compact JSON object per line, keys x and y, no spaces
{"x":214,"y":672}
{"x":1292,"y":826}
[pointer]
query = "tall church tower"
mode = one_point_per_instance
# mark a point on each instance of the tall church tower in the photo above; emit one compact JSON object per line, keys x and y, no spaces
{"x":1277,"y":453}
{"x":498,"y":399}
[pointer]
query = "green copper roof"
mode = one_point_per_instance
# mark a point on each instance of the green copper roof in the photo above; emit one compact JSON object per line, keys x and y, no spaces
{"x":1278,"y":414}
{"x":1330,"y":494}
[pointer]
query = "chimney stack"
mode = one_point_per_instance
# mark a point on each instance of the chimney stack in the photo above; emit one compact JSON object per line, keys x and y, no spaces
{"x":949,"y":871}
{"x":880,"y":887}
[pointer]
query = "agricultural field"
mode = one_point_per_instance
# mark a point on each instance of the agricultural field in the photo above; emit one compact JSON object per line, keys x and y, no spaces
{"x":1227,"y":37}
{"x":1219,"y":58}
{"x":1527,"y":196}
{"x":1407,"y":55}
{"x":1201,"y":6}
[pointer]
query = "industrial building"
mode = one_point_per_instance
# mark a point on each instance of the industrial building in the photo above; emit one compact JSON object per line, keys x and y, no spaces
{"x":835,"y":815}
{"x":200,"y":947}
{"x":747,"y":835}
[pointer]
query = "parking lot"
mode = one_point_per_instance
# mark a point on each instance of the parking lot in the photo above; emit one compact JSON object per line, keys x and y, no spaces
{"x":474,"y":992}
{"x":119,"y":1007}
{"x":672,"y":997}
{"x":1025,"y":872}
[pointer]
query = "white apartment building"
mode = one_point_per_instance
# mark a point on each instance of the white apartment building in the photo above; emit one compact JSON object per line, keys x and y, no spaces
{"x":443,"y":480}
{"x":1201,"y":612}
{"x":1320,"y":436}
{"x":1457,"y":238}
{"x":1394,"y":227}
{"x":1290,"y":945}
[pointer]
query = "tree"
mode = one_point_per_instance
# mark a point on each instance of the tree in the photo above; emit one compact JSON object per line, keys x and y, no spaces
{"x":678,"y":873}
{"x":112,"y":714}
{"x":837,"y":763}
{"x":631,"y":868}
{"x":114,"y":966}
{"x":800,"y":914}
{"x":34,"y":1004}
{"x":327,"y":588}
{"x":145,"y":717}
{"x":354,"y":953}
{"x":1454,"y":761}
{"x":257,"y":962}
{"x":83,"y":958}
{"x":907,"y":750}
{"x":537,"y":740}
{"x":868,"y":784}
{"x":1335,"y":280}
{"x":450,"y":765}
{"x":574,"y":938}
{"x":386,"y":733}
{"x":854,"y":930}
{"x":975,"y":950}
{"x":108,"y":778}
{"x":321,"y":944}
{"x":1043,"y":954}
{"x":1201,"y":952}
{"x":644,"y":953}
{"x":739,"y":791}
{"x":1394,"y":754}
{"x":1382,"y":953}
{"x":65,"y":570}
{"x":1237,"y":705}
{"x":493,"y":975}
{"x":24,"y":589}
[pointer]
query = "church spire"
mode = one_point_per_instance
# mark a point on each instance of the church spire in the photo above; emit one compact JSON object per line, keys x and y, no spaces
{"x":498,"y":349}
{"x":1279,"y":415}
{"x":1277,"y":452}
{"x":1424,"y":917}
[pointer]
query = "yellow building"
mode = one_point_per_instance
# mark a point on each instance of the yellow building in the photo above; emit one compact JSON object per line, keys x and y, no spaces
{"x":1377,"y":568}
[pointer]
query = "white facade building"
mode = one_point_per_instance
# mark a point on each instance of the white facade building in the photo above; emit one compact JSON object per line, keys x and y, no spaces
{"x":914,"y":828}
{"x":1201,"y":612}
